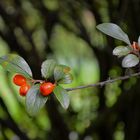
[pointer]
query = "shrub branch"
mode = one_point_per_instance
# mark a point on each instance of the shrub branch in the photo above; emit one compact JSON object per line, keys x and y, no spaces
{"x":105,"y":82}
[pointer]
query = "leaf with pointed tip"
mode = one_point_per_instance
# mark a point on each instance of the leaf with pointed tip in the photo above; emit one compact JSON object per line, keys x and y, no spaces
{"x":62,"y":96}
{"x":130,"y":60}
{"x":114,"y":31}
{"x":121,"y":51}
{"x":47,"y":68}
{"x":34,"y":100}
{"x":60,"y":71}
{"x":15,"y":63}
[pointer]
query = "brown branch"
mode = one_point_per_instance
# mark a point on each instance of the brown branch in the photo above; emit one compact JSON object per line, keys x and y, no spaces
{"x":105,"y":82}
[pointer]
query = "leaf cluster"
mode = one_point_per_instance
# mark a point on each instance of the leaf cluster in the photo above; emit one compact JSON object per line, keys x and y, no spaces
{"x":130,"y":52}
{"x":49,"y":68}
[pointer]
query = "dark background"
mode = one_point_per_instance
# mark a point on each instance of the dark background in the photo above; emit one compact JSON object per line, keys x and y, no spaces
{"x":66,"y":31}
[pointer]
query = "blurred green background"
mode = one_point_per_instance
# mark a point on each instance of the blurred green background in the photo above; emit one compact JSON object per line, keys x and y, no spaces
{"x":65,"y":30}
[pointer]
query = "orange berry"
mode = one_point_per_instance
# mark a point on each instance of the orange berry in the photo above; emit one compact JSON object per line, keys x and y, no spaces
{"x":19,"y":80}
{"x":46,"y":88}
{"x":24,"y":89}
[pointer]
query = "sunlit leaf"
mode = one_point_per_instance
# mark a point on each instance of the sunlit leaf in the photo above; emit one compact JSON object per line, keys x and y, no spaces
{"x":15,"y":63}
{"x":47,"y":68}
{"x":62,"y":96}
{"x":34,"y":100}
{"x":60,"y":71}
{"x":114,"y":31}
{"x":121,"y":51}
{"x":130,"y":60}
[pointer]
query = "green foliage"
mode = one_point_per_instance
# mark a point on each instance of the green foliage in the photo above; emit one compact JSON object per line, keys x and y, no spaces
{"x":16,"y":64}
{"x":131,"y":52}
{"x":34,"y":100}
{"x":62,"y":75}
{"x":62,"y":96}
{"x":49,"y":69}
{"x":114,"y":31}
{"x":67,"y":79}
{"x":130,"y":60}
{"x":121,"y":51}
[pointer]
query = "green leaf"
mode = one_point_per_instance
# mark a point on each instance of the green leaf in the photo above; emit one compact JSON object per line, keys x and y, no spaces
{"x":47,"y":68}
{"x":121,"y":51}
{"x":60,"y":71}
{"x":130,"y":60}
{"x":67,"y":79}
{"x":62,"y":96}
{"x":34,"y":100}
{"x":15,"y":63}
{"x":114,"y":31}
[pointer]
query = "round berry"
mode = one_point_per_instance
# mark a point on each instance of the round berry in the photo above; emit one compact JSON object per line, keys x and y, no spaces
{"x":24,"y":89}
{"x":46,"y":88}
{"x":19,"y":80}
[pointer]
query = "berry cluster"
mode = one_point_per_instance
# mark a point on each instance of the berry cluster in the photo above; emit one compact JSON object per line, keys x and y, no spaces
{"x":46,"y":88}
{"x":21,"y":81}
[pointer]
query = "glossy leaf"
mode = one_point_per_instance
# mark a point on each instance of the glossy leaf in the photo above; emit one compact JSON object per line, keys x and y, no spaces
{"x":130,"y":60}
{"x":34,"y":100}
{"x":114,"y":31}
{"x":121,"y":51}
{"x":60,"y":71}
{"x":62,"y":96}
{"x":15,"y":63}
{"x":47,"y":68}
{"x":67,"y":79}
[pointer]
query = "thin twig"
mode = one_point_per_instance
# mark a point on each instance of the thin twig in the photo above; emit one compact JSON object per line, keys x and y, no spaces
{"x":36,"y":81}
{"x":105,"y":82}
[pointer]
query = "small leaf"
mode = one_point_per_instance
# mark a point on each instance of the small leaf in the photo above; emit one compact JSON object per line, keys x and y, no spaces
{"x":121,"y":51}
{"x":114,"y":31}
{"x":62,"y":96}
{"x":139,"y":41}
{"x":130,"y":60}
{"x":34,"y":100}
{"x":15,"y":63}
{"x":60,"y":71}
{"x":47,"y":68}
{"x":67,"y":79}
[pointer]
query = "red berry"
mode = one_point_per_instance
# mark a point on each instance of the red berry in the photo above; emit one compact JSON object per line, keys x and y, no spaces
{"x":46,"y":88}
{"x":24,"y":89}
{"x":19,"y":80}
